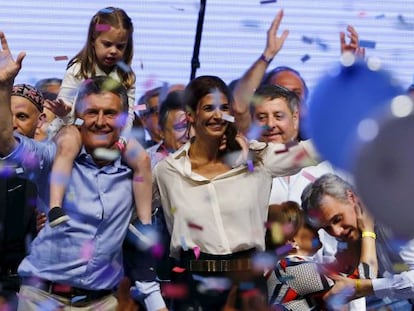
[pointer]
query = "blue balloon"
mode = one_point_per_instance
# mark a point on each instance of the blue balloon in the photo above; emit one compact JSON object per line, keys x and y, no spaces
{"x":339,"y":102}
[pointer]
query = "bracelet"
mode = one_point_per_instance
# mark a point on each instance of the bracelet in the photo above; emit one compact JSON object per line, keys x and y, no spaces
{"x":357,"y":286}
{"x":267,"y":60}
{"x":369,"y":234}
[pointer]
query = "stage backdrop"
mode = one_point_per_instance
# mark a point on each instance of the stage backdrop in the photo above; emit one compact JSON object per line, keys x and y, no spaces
{"x":234,"y":35}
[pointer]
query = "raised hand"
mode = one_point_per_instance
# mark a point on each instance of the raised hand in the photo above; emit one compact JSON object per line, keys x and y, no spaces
{"x":8,"y":67}
{"x":353,"y":44}
{"x":58,"y":107}
{"x":274,"y":42}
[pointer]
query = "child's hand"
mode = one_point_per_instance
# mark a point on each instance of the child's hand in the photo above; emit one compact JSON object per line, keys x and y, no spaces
{"x":58,"y":107}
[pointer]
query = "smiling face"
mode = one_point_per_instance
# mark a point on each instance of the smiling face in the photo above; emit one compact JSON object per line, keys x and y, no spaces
{"x":101,"y":126}
{"x":279,"y":123}
{"x":339,"y":218}
{"x":110,"y":47}
{"x":208,"y":119}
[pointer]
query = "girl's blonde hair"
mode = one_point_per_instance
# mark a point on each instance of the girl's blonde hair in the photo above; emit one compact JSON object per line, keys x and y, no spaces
{"x":116,"y":18}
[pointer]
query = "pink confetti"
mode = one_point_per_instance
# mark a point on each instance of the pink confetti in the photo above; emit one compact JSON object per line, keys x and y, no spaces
{"x":139,"y":179}
{"x":59,"y":58}
{"x":308,"y":176}
{"x":196,"y":250}
{"x":87,"y":249}
{"x":177,"y":291}
{"x":140,"y":107}
{"x":178,"y":269}
{"x":102,"y":27}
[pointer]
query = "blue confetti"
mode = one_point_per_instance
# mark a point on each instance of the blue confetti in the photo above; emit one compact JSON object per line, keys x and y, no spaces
{"x":307,"y":40}
{"x":367,"y":44}
{"x":305,"y":58}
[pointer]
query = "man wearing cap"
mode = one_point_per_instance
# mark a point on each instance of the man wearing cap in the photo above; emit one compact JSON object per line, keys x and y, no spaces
{"x":17,"y":195}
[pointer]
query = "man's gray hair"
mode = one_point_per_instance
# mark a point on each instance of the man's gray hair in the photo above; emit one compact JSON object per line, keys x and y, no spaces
{"x":328,"y":184}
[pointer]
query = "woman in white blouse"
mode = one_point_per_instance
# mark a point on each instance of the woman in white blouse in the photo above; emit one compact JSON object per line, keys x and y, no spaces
{"x":216,"y":205}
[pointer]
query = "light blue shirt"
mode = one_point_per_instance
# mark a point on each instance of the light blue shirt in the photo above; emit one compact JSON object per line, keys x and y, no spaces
{"x":84,"y":252}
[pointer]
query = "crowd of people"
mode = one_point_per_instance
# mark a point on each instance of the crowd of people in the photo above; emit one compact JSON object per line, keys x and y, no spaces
{"x":203,"y":196}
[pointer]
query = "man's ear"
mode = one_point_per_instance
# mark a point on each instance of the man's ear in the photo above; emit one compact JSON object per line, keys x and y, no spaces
{"x":352,"y":196}
{"x":41,"y":119}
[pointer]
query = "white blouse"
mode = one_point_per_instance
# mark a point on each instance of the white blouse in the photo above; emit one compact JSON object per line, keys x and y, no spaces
{"x":227,"y":213}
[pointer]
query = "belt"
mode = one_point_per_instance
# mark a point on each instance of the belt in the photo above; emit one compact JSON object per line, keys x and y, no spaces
{"x":220,"y":265}
{"x":67,"y":291}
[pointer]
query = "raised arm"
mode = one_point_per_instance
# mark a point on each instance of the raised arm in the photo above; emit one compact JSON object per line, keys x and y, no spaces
{"x":353,"y":44}
{"x":246,"y":86}
{"x":8,"y":71}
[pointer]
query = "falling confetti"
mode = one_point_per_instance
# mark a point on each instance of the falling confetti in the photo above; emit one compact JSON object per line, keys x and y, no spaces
{"x":124,"y":67}
{"x":228,"y":118}
{"x":106,"y":154}
{"x":196,"y":250}
{"x":102,"y":27}
{"x":367,"y":44}
{"x":59,"y":58}
{"x":305,"y":58}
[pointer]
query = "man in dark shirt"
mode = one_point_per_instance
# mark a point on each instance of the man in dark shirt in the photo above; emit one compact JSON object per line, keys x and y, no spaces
{"x":17,"y":195}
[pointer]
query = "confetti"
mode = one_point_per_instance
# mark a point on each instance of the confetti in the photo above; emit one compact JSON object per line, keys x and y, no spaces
{"x":177,"y":269}
{"x":102,"y":27}
{"x":283,"y":249}
{"x":250,"y":165}
{"x":106,"y":154}
{"x":305,"y":58}
{"x":124,"y":67}
{"x":194,"y":226}
{"x":59,"y":58}
{"x":177,"y":291}
{"x":228,"y":118}
{"x":263,"y":261}
{"x":138,"y":179}
{"x":196,"y":250}
{"x":367,"y":44}
{"x":78,"y":122}
{"x":86,"y":251}
{"x":267,"y":1}
{"x":381,"y":16}
{"x":307,"y":40}
{"x":19,"y":170}
{"x":140,"y":107}
{"x":308,"y":176}
{"x":183,"y":244}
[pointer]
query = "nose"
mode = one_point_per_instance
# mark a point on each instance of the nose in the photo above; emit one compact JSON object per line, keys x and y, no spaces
{"x":113,"y":50}
{"x":100,"y":120}
{"x":337,"y":231}
{"x":218,"y":114}
{"x":271,"y":124}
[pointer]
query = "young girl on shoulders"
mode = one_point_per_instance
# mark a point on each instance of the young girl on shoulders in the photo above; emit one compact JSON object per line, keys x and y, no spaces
{"x":108,"y":52}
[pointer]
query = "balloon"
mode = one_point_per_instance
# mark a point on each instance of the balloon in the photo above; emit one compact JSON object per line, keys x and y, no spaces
{"x":341,"y":99}
{"x":384,"y":167}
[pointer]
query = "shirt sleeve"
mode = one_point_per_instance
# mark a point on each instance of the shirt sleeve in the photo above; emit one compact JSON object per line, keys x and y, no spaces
{"x":399,"y":286}
{"x":131,"y":105}
{"x":68,"y":91}
{"x":288,"y":159}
